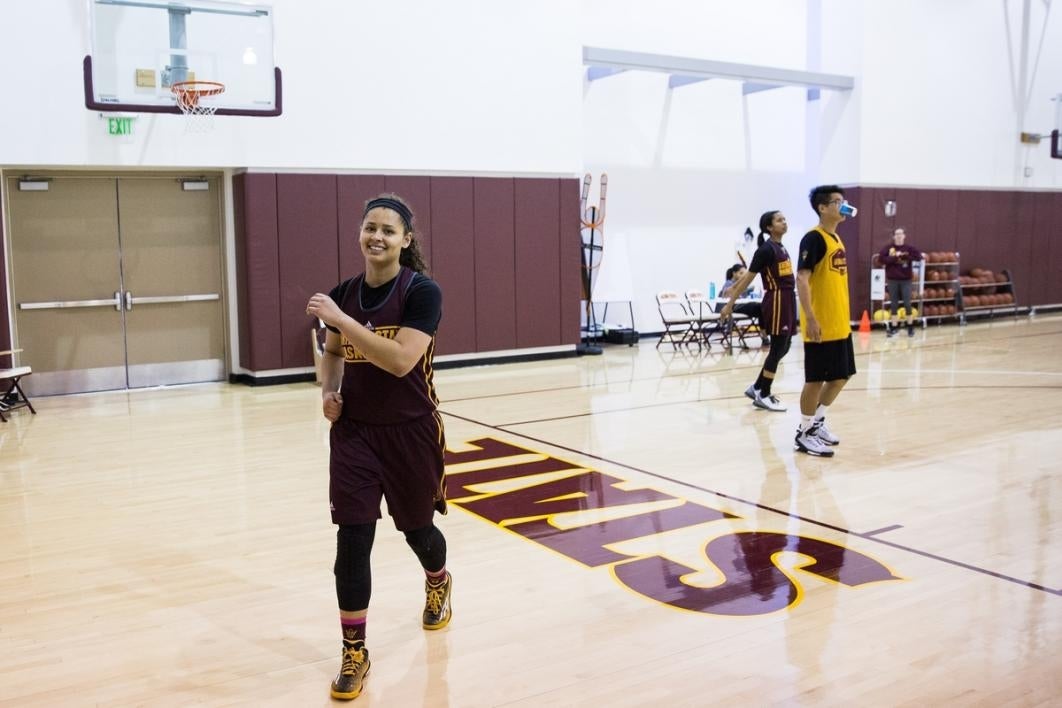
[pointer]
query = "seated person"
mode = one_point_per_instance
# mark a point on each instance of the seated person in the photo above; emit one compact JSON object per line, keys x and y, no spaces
{"x":750,"y":307}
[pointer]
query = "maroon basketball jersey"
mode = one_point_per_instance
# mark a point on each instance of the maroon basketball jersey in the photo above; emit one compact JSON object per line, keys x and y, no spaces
{"x":370,"y":394}
{"x":778,"y":274}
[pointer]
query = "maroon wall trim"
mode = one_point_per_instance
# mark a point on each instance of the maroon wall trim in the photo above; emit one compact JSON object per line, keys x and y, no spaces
{"x":308,"y":248}
{"x":570,"y":258}
{"x":257,"y":271}
{"x":454,"y":261}
{"x":5,"y":311}
{"x":495,"y":264}
{"x":537,"y":230}
{"x":504,"y":251}
{"x":991,"y":229}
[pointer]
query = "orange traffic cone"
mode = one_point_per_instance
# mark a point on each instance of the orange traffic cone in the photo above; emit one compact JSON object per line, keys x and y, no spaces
{"x":864,"y":323}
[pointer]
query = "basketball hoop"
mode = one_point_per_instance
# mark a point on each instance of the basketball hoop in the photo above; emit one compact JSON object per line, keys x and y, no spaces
{"x":189,"y":96}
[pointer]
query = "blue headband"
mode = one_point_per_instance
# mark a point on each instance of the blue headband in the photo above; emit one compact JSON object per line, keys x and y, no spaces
{"x":394,"y":205}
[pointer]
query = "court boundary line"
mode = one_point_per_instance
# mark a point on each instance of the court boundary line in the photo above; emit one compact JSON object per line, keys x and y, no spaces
{"x":883,"y":529}
{"x":730,"y":497}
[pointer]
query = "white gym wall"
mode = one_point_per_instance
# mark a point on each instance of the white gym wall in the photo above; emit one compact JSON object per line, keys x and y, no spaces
{"x":416,"y":85}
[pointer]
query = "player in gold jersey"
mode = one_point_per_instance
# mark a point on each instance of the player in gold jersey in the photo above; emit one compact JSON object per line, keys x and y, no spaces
{"x":822,"y":284}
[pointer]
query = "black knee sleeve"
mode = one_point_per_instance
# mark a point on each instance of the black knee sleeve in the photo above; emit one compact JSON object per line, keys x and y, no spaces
{"x":430,"y":546}
{"x":352,"y":569}
{"x":779,"y":348}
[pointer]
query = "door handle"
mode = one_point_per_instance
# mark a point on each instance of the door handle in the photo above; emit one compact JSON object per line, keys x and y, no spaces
{"x":115,"y":301}
{"x":164,"y":299}
{"x":128,"y":301}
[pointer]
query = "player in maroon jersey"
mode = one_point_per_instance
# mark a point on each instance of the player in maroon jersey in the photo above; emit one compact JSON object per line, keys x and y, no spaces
{"x":779,"y":318}
{"x":387,"y":436}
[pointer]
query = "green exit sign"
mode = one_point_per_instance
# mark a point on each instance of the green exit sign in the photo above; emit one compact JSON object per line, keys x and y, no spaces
{"x":120,"y":126}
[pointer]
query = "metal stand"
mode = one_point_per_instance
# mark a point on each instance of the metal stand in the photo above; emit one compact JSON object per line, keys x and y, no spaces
{"x":591,"y":219}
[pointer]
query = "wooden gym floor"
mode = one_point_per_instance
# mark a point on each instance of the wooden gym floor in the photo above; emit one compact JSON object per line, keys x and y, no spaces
{"x":623,"y":530}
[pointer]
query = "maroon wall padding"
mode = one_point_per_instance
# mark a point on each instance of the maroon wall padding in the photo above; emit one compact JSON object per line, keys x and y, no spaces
{"x":1020,"y":250}
{"x":1042,"y":266}
{"x":453,"y":262}
{"x":926,"y":216}
{"x":992,"y":229}
{"x":5,"y":311}
{"x":947,"y":221}
{"x":416,"y":192}
{"x":1053,"y":284}
{"x":257,"y":271}
{"x":297,"y":234}
{"x":537,"y":229}
{"x":571,"y":289}
{"x":308,"y":247}
{"x":239,"y":218}
{"x":965,"y":220}
{"x":354,"y":191}
{"x":495,"y":242}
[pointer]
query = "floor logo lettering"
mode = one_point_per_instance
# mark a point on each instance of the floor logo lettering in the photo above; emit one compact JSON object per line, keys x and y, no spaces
{"x":536,"y":488}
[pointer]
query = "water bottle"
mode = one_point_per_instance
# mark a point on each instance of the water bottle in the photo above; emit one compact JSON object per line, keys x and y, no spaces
{"x":711,"y":290}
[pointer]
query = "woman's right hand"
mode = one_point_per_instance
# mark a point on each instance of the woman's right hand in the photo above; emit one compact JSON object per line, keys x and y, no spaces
{"x":332,"y":405}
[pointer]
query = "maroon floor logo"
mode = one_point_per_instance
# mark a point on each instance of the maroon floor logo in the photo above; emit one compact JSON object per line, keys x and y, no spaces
{"x":753,"y":582}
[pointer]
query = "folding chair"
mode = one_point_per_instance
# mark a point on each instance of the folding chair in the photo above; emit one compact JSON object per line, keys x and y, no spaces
{"x":709,"y":322}
{"x":741,"y":326}
{"x":725,"y":330}
{"x":14,"y":397}
{"x":680,"y":327}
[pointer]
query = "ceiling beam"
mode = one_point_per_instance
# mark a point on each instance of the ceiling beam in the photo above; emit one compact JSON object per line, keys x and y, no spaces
{"x":690,"y":68}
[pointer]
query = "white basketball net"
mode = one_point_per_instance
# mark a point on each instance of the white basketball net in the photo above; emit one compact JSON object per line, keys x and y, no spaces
{"x":200,"y":115}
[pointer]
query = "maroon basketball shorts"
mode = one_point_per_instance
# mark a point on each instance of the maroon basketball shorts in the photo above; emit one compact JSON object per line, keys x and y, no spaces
{"x":779,"y":312}
{"x":401,"y":463}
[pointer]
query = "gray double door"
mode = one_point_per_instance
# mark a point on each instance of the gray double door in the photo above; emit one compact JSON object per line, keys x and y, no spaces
{"x":117,"y":282}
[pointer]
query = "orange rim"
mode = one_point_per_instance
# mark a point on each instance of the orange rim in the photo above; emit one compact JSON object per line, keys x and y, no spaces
{"x":189,"y":92}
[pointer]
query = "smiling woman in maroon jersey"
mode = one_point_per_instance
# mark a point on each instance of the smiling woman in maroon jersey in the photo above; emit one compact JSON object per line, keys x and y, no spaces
{"x":387,"y":437}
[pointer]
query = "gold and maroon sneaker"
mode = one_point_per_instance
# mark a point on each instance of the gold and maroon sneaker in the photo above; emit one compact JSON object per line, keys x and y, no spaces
{"x":355,"y":667}
{"x":437,"y":609}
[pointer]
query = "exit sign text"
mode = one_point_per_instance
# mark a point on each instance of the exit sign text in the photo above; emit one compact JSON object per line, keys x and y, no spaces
{"x":120,"y":126}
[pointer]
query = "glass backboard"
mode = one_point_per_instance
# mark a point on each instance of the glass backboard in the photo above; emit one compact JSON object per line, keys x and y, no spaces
{"x":140,"y":48}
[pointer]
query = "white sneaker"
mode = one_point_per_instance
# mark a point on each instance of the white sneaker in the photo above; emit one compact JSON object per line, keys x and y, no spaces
{"x":806,"y":441}
{"x":769,"y":403}
{"x":819,"y":430}
{"x":752,"y":393}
